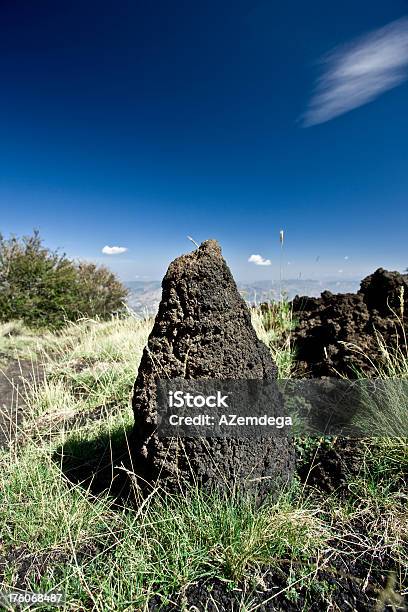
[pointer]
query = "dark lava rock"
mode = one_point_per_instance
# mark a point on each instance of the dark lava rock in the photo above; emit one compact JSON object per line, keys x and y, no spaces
{"x":381,"y":292}
{"x":203,"y":330}
{"x":332,"y":464}
{"x":339,"y":333}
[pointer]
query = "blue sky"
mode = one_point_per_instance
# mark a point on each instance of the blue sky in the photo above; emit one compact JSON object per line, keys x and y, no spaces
{"x":135,"y":124}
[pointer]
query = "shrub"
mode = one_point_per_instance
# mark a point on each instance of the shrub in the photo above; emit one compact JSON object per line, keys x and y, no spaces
{"x":44,"y":288}
{"x":100,"y":292}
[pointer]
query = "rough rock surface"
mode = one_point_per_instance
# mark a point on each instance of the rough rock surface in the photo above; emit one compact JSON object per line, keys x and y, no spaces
{"x":203,"y":330}
{"x":330,"y":328}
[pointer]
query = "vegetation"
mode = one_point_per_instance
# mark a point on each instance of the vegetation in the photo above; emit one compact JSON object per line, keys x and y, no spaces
{"x":45,"y":289}
{"x":273,"y":324}
{"x":72,"y":518}
{"x":385,"y":398}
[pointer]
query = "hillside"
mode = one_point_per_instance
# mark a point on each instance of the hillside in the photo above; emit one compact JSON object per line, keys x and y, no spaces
{"x":144,"y":296}
{"x":338,"y":533}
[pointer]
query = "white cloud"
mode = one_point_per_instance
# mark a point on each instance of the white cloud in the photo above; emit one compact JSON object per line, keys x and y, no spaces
{"x":258,"y":260}
{"x":359,"y":72}
{"x":113,"y":250}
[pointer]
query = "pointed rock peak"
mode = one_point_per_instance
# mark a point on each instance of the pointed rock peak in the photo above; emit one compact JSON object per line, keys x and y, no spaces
{"x":203,"y":331}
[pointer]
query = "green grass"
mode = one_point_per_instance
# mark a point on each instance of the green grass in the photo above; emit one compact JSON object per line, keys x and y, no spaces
{"x":385,"y":403}
{"x":273,"y":324}
{"x":61,"y":532}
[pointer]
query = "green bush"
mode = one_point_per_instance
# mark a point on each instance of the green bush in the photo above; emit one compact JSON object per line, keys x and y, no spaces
{"x":44,"y":288}
{"x":100,"y":292}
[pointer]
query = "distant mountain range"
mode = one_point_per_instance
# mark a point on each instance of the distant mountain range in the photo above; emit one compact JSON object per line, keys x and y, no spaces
{"x":144,"y":296}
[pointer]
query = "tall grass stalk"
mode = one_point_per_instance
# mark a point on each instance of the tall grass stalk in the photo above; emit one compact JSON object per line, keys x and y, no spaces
{"x":273,"y":324}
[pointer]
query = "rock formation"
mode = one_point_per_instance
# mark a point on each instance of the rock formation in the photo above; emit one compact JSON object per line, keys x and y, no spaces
{"x":339,"y":333}
{"x":203,"y":331}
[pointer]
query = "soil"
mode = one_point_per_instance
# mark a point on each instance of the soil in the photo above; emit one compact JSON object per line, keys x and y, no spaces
{"x":346,"y":588}
{"x":14,"y":378}
{"x":30,"y":567}
{"x":332,"y":464}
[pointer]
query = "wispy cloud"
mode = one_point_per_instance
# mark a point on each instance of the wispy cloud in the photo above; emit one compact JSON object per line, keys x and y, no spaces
{"x":113,"y":250}
{"x":358,"y":72}
{"x":258,"y":260}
